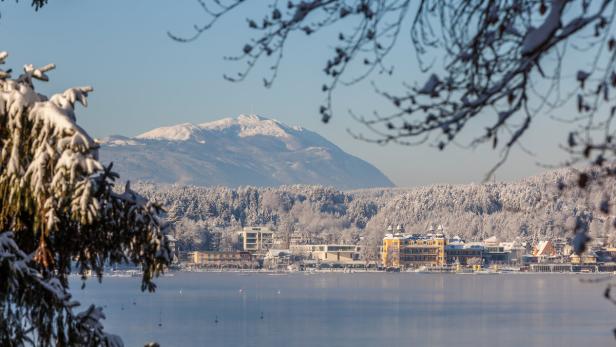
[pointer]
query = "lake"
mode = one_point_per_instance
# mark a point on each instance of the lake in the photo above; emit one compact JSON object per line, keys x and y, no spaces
{"x":359,"y":309}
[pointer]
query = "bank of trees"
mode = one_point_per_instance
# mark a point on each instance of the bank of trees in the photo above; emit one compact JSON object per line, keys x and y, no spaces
{"x":529,"y":209}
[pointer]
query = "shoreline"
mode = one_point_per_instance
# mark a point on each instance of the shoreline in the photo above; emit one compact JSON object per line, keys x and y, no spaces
{"x":172,"y":273}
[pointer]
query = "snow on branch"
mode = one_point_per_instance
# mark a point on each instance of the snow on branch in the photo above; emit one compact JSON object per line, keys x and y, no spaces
{"x":26,"y":288}
{"x":58,"y":201}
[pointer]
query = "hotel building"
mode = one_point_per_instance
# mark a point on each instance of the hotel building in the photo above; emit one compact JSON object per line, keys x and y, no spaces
{"x":400,"y":250}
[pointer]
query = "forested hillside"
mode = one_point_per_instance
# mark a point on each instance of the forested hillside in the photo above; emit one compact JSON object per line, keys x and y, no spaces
{"x":531,"y":208}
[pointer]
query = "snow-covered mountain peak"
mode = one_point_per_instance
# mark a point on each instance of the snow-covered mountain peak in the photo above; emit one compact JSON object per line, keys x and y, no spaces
{"x":242,"y":126}
{"x":247,"y":150}
{"x":117,"y":140}
{"x":249,"y":125}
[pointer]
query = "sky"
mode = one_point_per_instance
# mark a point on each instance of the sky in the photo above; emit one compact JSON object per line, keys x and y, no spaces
{"x":143,"y":80}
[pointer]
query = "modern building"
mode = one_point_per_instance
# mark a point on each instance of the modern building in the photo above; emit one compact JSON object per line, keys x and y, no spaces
{"x":338,"y":254}
{"x":463,"y":254}
{"x":494,"y":251}
{"x":606,"y":254}
{"x":516,"y":251}
{"x":215,"y":258}
{"x":278,"y":259}
{"x":256,"y":239}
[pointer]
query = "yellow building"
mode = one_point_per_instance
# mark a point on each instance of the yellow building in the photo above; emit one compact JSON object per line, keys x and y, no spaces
{"x":585,"y":259}
{"x":390,"y":255}
{"x":413,"y":250}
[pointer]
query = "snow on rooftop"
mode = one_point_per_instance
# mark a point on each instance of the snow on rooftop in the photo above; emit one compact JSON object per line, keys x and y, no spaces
{"x":542,"y":248}
{"x":491,"y":240}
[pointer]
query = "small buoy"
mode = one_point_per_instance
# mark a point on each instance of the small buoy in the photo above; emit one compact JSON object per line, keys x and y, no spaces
{"x":261,"y":315}
{"x":216,"y":320}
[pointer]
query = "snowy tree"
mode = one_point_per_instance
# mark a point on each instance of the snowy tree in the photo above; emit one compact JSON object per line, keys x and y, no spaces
{"x":532,"y":209}
{"x":370,"y":245}
{"x":192,"y":235}
{"x":59,"y":214}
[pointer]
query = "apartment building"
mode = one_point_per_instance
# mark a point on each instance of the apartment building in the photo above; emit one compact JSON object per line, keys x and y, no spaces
{"x":256,"y":239}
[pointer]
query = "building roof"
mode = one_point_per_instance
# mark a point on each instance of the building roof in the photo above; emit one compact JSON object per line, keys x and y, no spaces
{"x":255,"y":228}
{"x":491,"y":240}
{"x":413,"y":236}
{"x":543,"y":249}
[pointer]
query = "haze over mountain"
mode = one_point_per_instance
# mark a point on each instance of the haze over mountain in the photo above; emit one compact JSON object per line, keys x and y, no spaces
{"x":247,"y":150}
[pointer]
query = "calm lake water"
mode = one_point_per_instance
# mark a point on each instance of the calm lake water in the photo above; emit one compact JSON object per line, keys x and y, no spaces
{"x":360,"y":309}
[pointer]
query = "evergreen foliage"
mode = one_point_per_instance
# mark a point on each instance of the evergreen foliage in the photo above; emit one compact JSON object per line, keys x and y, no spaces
{"x":59,"y":214}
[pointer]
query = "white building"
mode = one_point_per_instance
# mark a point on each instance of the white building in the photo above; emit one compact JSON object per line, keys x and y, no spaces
{"x":256,"y":239}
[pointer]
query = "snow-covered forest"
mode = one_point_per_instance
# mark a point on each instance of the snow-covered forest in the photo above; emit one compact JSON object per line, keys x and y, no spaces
{"x":532,"y":209}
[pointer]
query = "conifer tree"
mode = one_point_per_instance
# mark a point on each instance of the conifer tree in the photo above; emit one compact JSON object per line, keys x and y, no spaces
{"x":59,"y":214}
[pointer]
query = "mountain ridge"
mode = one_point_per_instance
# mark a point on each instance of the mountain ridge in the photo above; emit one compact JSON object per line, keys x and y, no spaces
{"x":247,"y":150}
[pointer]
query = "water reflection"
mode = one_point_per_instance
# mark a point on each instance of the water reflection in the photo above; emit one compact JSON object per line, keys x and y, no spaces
{"x":364,"y":309}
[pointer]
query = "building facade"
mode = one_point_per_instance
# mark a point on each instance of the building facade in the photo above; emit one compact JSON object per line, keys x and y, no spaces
{"x":463,"y":254}
{"x":340,"y":254}
{"x":256,"y":239}
{"x":215,"y":258}
{"x":415,"y":250}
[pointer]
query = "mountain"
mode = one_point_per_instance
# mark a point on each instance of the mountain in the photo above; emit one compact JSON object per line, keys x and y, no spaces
{"x":247,"y":150}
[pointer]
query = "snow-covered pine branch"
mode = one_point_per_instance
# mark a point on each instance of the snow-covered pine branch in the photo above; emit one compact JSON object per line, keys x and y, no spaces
{"x":57,"y":201}
{"x":25,"y":284}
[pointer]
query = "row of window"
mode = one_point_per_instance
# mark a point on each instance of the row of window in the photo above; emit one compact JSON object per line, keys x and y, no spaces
{"x":421,"y":243}
{"x":464,"y":252}
{"x":419,"y":251}
{"x":419,"y":258}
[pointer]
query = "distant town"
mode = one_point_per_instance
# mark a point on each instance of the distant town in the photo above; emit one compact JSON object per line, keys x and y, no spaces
{"x":262,"y":249}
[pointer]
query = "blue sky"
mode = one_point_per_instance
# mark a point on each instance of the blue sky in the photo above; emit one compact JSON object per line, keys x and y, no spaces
{"x":144,"y":80}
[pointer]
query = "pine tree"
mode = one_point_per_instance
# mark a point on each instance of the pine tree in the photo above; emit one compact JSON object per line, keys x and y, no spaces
{"x":59,"y":214}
